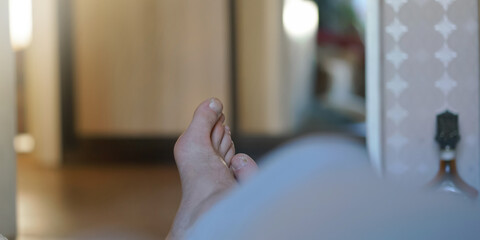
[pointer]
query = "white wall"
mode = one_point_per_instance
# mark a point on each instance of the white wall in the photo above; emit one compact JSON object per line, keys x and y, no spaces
{"x":299,"y":69}
{"x":7,"y":128}
{"x":415,"y":72}
{"x":374,"y":115}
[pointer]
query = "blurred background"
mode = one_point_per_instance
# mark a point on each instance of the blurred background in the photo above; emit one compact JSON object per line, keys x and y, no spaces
{"x":105,"y":87}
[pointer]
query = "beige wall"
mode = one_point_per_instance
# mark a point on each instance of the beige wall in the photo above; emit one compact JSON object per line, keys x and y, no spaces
{"x":275,"y":70}
{"x":42,"y":83}
{"x":143,"y":66}
{"x":259,"y":67}
{"x":7,"y":128}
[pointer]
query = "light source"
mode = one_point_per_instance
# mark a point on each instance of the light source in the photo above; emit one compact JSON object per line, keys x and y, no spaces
{"x":24,"y":143}
{"x":20,"y":19}
{"x":20,"y":12}
{"x":300,"y":17}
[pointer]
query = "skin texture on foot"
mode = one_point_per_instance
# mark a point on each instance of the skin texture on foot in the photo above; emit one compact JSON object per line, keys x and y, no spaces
{"x":208,"y":167}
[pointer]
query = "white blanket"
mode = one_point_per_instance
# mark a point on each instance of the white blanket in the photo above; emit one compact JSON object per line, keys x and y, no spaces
{"x":323,"y":188}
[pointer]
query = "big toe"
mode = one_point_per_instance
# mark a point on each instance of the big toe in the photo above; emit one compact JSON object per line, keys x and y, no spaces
{"x":243,"y":167}
{"x":205,"y":117}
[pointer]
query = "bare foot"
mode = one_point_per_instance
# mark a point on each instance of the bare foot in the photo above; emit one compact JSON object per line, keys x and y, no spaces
{"x":208,"y":166}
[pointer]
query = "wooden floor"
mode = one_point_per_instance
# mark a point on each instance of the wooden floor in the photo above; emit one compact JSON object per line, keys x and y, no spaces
{"x":87,"y":202}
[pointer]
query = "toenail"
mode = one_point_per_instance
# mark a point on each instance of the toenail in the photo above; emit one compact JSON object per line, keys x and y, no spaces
{"x":215,"y":105}
{"x":237,"y":165}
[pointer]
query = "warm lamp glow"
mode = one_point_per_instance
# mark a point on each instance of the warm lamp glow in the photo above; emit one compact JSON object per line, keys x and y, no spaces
{"x":24,"y":143}
{"x":300,"y":17}
{"x":20,"y":23}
